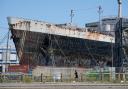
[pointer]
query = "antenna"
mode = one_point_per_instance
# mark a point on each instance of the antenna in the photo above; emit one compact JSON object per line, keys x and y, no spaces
{"x":119,"y":8}
{"x":71,"y":15}
{"x":100,"y":11}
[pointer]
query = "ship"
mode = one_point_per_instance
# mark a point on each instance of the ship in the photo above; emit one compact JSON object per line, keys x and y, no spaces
{"x":61,"y":45}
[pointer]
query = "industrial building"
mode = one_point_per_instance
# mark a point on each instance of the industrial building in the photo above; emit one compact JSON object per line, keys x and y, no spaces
{"x":7,"y":58}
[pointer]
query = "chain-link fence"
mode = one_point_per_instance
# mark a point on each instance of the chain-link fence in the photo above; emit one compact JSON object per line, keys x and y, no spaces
{"x":67,"y":75}
{"x":89,"y":77}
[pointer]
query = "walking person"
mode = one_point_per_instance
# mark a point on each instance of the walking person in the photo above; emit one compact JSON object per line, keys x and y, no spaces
{"x":76,"y":75}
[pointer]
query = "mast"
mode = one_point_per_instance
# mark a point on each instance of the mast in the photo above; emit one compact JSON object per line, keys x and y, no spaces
{"x":71,"y":15}
{"x":100,"y":20}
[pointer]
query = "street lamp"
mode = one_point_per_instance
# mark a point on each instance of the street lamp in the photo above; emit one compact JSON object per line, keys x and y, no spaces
{"x":111,"y":58}
{"x":111,"y":52}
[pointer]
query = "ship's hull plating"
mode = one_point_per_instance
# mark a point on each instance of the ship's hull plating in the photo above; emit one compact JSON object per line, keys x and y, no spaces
{"x":36,"y":48}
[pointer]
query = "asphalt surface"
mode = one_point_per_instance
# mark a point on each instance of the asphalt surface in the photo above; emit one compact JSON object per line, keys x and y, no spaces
{"x":61,"y":86}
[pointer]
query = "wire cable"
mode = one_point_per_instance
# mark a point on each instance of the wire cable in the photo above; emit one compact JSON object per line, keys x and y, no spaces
{"x":3,"y":39}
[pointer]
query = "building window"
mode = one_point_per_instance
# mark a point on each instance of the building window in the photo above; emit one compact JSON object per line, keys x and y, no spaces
{"x":13,"y":57}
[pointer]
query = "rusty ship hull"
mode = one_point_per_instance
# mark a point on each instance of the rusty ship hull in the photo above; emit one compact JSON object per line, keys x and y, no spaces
{"x":41,"y":43}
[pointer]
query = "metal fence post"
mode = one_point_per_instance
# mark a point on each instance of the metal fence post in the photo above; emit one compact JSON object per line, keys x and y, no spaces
{"x":41,"y":77}
{"x":61,"y":76}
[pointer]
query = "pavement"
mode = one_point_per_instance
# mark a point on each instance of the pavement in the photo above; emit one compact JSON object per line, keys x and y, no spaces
{"x":62,"y":86}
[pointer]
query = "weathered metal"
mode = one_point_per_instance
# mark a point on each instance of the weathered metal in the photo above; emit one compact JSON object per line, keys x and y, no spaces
{"x":44,"y":27}
{"x":18,"y":68}
{"x":37,"y":42}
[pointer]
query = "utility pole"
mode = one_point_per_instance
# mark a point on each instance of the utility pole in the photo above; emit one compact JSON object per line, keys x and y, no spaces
{"x":100,"y":11}
{"x":71,"y":15}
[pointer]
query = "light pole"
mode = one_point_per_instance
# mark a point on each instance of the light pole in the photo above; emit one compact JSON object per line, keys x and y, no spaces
{"x":119,"y":8}
{"x":112,"y":52}
{"x":111,"y":59}
{"x":7,"y":51}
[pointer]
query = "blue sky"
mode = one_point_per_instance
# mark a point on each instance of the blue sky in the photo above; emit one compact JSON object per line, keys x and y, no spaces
{"x":57,"y":11}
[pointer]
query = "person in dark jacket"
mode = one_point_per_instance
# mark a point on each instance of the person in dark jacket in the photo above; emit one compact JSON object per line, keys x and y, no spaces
{"x":76,"y":75}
